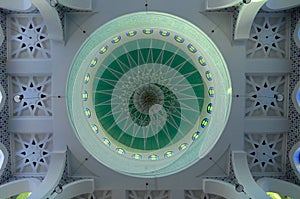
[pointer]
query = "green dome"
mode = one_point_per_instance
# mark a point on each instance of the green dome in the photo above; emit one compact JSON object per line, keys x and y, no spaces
{"x":143,"y":91}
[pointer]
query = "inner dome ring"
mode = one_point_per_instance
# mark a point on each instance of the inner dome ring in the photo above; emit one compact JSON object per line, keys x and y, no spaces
{"x":204,"y":56}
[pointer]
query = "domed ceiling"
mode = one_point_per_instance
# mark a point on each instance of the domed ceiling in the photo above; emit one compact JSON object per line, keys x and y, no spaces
{"x":148,"y":94}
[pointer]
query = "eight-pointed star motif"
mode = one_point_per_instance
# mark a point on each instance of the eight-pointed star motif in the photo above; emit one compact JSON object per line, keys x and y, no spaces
{"x":264,"y":154}
{"x":33,"y":153}
{"x":29,"y":38}
{"x":262,"y":95}
{"x":35,"y":95}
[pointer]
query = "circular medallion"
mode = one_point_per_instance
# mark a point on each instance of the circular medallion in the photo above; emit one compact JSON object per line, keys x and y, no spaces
{"x":148,"y":94}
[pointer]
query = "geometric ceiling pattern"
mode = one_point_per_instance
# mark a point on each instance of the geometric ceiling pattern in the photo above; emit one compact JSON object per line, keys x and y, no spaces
{"x":266,"y":153}
{"x":195,"y":194}
{"x":153,"y":99}
{"x":265,"y":96}
{"x":148,"y":94}
{"x":268,"y":37}
{"x":28,"y":37}
{"x":35,"y":93}
{"x":148,"y":194}
{"x":150,"y":104}
{"x":32,"y":153}
{"x":100,"y":194}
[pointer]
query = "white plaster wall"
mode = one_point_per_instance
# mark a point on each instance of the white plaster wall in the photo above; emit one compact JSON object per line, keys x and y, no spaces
{"x":233,"y":52}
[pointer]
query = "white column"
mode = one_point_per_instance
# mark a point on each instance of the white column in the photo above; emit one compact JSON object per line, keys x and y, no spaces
{"x":221,"y":188}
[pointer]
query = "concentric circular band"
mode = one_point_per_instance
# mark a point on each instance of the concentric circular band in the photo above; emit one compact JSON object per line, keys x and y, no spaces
{"x":148,"y":94}
{"x":139,"y":80}
{"x":147,"y":62}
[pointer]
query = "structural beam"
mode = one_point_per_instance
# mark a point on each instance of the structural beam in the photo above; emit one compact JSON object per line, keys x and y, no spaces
{"x":16,"y":5}
{"x":244,"y":176}
{"x":41,"y":125}
{"x":279,"y":186}
{"x":221,"y":188}
{"x":19,"y":186}
{"x":77,"y":4}
{"x":50,"y":15}
{"x":219,"y":4}
{"x":76,"y":188}
{"x":54,"y":174}
{"x":281,"y":5}
{"x":245,"y":19}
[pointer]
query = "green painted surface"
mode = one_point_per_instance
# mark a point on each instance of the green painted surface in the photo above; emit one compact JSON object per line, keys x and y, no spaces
{"x":177,"y":26}
{"x":127,"y":61}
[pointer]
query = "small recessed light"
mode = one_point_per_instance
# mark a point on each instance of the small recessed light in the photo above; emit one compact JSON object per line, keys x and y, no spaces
{"x":53,"y":3}
{"x":18,"y":98}
{"x":239,"y":188}
{"x":58,"y":189}
{"x":279,"y":97}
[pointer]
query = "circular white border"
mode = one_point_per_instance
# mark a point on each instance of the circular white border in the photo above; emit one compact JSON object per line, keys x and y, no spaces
{"x":90,"y":104}
{"x":160,"y":167}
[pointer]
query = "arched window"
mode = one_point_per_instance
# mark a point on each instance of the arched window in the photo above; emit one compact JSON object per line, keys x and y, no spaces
{"x":297,"y":34}
{"x":3,"y":158}
{"x":2,"y":97}
{"x":296,"y":97}
{"x":294,"y":156}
